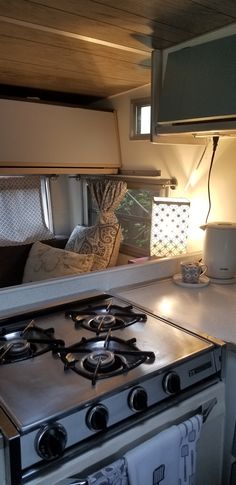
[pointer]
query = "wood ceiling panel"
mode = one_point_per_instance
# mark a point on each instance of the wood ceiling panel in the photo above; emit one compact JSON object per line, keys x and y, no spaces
{"x":16,"y":32}
{"x":96,"y":47}
{"x":227,"y":7}
{"x":19,"y":74}
{"x":190,"y":16}
{"x":61,"y":20}
{"x":79,"y":63}
{"x":112,"y":14}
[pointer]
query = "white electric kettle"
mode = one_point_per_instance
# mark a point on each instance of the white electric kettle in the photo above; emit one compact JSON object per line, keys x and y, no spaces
{"x":219,"y":250}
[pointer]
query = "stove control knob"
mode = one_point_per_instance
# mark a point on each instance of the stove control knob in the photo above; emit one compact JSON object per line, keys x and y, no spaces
{"x":51,"y":441}
{"x":97,"y":418}
{"x":171,"y":383}
{"x":138,"y":399}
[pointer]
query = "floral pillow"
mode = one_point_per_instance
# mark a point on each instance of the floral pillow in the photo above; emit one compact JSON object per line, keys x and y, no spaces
{"x":102,"y":240}
{"x":46,"y":262}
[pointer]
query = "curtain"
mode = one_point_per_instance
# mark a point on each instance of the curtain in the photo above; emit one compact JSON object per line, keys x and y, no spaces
{"x":22,"y":218}
{"x":108,"y":195}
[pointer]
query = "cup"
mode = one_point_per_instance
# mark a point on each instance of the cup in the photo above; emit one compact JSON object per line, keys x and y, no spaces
{"x":191,"y":271}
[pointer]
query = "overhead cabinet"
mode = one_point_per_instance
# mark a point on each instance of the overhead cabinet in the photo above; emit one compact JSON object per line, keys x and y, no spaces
{"x":197,"y":94}
{"x":43,"y":138}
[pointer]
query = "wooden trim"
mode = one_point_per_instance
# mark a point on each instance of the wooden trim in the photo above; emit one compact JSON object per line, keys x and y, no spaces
{"x":16,"y":170}
{"x":71,"y":165}
{"x":118,"y":136}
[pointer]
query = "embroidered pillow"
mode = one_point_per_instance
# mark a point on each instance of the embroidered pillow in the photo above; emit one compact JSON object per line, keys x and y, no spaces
{"x":102,"y":240}
{"x":46,"y":262}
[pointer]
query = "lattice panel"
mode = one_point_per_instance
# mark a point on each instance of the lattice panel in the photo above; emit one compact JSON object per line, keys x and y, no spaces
{"x":170,"y":222}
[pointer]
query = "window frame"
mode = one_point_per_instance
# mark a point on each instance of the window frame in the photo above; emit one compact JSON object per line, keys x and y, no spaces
{"x":46,"y":201}
{"x":136,"y":104}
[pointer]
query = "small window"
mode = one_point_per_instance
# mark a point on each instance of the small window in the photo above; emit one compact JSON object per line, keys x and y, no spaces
{"x":140,"y":119}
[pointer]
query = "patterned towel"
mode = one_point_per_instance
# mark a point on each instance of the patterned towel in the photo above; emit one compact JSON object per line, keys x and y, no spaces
{"x":114,"y":474}
{"x":190,"y":431}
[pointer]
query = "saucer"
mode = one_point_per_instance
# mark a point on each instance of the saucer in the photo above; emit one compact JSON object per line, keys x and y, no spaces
{"x":203,"y":281}
{"x":221,"y":281}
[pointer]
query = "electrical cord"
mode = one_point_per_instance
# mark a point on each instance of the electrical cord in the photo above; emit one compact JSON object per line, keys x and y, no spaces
{"x":215,"y":143}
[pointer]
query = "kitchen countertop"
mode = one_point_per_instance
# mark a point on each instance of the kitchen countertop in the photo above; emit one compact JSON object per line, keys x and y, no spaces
{"x":209,"y":310}
{"x":31,"y":296}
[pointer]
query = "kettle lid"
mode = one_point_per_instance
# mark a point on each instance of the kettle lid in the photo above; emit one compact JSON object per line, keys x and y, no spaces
{"x":219,"y":225}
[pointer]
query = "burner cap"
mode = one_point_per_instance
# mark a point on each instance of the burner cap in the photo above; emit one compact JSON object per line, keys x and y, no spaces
{"x":17,"y":346}
{"x":105,"y":321}
{"x":103,"y":357}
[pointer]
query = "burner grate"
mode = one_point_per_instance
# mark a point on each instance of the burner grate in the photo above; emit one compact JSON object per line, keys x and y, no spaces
{"x":25,"y":341}
{"x":103,"y":357}
{"x":101,"y":318}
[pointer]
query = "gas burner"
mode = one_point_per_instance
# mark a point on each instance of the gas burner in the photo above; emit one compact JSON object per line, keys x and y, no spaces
{"x":104,"y":317}
{"x":103,"y":357}
{"x":25,"y":342}
{"x":103,"y":321}
{"x":17,"y":346}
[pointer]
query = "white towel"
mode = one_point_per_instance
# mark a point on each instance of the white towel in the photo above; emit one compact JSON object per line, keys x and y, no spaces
{"x":169,"y":458}
{"x":157,"y":460}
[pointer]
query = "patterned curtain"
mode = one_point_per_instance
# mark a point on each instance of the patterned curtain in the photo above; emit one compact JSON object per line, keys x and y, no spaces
{"x":108,"y":195}
{"x":21,"y":211}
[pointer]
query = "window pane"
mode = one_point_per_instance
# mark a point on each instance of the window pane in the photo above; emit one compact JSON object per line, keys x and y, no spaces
{"x":143,"y":114}
{"x":134,"y":215}
{"x":145,"y":119}
{"x":140,"y":122}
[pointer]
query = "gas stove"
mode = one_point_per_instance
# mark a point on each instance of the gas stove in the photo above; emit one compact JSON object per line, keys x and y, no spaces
{"x":78,"y":370}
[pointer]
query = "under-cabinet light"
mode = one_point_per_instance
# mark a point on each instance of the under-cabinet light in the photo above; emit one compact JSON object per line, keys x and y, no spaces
{"x":170,"y":221}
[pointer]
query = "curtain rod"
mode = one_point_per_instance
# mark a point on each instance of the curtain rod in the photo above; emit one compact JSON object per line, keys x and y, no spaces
{"x":151,"y":180}
{"x":163,"y":182}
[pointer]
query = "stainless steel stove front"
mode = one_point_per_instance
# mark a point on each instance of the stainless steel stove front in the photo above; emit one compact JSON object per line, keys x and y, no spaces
{"x":80,"y":461}
{"x":49,"y":415}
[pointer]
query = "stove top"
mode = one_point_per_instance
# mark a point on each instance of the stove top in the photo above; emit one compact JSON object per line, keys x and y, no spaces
{"x":98,"y":362}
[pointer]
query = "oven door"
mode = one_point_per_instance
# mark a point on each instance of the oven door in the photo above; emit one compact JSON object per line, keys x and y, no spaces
{"x":108,"y":447}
